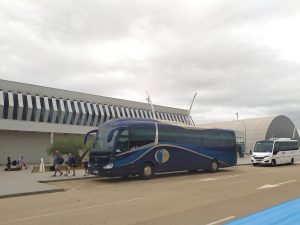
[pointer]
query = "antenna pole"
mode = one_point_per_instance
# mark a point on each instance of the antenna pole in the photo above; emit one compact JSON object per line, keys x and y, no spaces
{"x":150,"y":102}
{"x":190,"y":118}
{"x":294,"y":132}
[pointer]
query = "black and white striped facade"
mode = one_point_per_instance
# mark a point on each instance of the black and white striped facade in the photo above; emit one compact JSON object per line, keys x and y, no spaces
{"x":32,"y":117}
{"x":41,"y":108}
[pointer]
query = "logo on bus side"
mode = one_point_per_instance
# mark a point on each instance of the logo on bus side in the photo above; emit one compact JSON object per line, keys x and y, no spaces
{"x":162,"y":156}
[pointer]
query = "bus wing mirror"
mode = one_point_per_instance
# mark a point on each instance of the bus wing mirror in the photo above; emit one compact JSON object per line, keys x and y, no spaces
{"x":250,"y":152}
{"x":88,"y":134}
{"x":110,"y":135}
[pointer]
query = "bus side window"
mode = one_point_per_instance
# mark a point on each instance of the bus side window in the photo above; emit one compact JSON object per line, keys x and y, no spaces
{"x":141,"y":136}
{"x":276,"y":147}
{"x":122,"y":142}
{"x":169,"y":134}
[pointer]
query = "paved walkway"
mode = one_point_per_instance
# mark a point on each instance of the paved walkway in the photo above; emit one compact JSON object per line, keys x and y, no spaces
{"x":244,"y":161}
{"x":23,"y":182}
{"x":18,"y":183}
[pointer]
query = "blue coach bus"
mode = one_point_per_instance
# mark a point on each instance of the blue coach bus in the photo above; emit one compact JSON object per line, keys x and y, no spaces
{"x":143,"y":147}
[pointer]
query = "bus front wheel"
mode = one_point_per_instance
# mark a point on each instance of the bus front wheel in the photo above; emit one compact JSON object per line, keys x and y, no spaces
{"x":214,"y":166}
{"x":273,"y":162}
{"x":147,"y":171}
{"x":292,"y":161}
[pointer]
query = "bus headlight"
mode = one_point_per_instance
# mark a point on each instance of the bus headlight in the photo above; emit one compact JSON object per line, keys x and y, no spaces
{"x":108,"y":166}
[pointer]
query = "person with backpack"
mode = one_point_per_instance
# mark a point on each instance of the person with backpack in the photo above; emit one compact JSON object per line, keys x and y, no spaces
{"x":72,"y":163}
{"x":58,"y":161}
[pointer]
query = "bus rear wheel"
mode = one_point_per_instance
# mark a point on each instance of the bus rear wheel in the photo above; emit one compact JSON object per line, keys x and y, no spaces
{"x":147,"y":171}
{"x":292,"y":161}
{"x":214,"y":166}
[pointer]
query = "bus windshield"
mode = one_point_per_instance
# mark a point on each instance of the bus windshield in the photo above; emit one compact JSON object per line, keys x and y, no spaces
{"x":263,"y":146}
{"x":102,"y":143}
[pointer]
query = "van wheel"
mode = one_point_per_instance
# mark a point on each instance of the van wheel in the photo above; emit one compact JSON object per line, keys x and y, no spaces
{"x":214,"y":166}
{"x":292,"y":161}
{"x":273,"y":162}
{"x":147,"y":171}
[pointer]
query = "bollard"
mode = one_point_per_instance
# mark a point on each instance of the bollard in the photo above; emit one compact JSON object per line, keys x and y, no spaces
{"x":42,"y":166}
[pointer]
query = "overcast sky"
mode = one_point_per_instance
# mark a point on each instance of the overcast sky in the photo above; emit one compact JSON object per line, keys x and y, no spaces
{"x":238,"y":55}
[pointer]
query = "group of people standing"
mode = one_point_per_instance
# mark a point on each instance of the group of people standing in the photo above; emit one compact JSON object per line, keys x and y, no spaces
{"x":58,"y":161}
{"x":71,"y":164}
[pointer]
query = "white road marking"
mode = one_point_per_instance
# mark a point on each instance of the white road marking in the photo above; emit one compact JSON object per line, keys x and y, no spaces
{"x":70,"y":211}
{"x":222,"y":220}
{"x":104,"y":186}
{"x":229,"y":183}
{"x":275,"y":185}
{"x":215,"y":178}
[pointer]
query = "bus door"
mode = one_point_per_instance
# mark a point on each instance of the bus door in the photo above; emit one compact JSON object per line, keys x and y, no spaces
{"x":275,"y":153}
{"x":135,"y":141}
{"x":122,"y":143}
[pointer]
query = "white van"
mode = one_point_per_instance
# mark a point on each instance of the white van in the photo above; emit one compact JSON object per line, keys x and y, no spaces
{"x":275,"y":151}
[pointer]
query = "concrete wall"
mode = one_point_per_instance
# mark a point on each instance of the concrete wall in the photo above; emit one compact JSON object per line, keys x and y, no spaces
{"x":31,"y":145}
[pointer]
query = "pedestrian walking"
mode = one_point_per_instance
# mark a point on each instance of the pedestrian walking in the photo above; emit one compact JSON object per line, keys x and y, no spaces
{"x":72,"y":163}
{"x":58,"y":161}
{"x":86,"y":167}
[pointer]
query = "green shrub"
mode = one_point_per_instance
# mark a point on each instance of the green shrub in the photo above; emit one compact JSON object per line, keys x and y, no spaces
{"x":68,"y":145}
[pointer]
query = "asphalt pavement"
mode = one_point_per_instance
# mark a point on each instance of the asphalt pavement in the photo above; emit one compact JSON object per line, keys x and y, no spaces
{"x":18,"y":183}
{"x":177,"y":198}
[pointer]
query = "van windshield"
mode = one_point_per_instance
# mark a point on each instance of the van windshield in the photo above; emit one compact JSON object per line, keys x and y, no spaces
{"x":263,"y":146}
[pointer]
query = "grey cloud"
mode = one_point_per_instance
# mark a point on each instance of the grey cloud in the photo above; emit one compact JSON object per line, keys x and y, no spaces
{"x":170,"y":49}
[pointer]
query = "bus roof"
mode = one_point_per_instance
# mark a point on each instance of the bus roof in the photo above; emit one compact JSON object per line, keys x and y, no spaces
{"x":133,"y":121}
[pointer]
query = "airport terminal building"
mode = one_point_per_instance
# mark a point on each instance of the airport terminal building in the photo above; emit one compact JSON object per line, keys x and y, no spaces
{"x":32,"y":117}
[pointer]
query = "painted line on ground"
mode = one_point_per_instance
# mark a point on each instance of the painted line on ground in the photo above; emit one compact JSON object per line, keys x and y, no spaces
{"x":275,"y":185}
{"x":221,"y":220}
{"x":70,"y":211}
{"x":104,"y":186}
{"x":236,"y":182}
{"x":215,"y":178}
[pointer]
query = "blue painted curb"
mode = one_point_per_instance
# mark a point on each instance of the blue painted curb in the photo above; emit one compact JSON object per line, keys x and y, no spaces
{"x":286,"y":213}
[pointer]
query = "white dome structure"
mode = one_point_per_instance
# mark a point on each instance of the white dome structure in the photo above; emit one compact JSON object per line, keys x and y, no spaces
{"x":256,"y":129}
